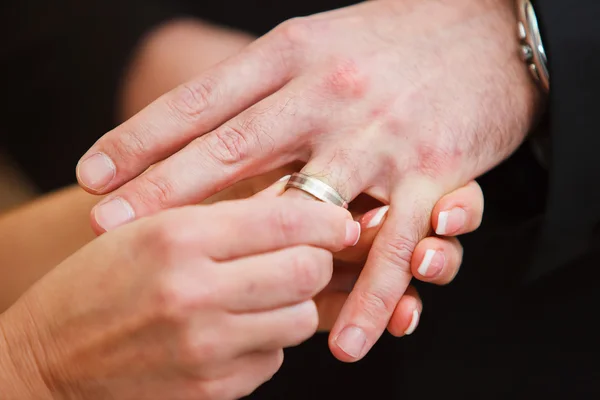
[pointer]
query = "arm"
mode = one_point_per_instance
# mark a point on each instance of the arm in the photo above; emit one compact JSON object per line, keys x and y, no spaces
{"x":38,"y":236}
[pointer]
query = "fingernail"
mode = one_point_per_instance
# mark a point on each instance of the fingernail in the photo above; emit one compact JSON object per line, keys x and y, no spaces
{"x":378,"y":217}
{"x":96,"y":171}
{"x":352,"y":341}
{"x":432,"y":263}
{"x":113,"y":213}
{"x":452,"y":221}
{"x":413,"y":322}
{"x":285,"y":178}
{"x":352,"y":233}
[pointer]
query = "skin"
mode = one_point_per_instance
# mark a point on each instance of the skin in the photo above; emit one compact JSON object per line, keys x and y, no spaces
{"x":44,"y":337}
{"x":402,"y":100}
{"x":170,"y":308}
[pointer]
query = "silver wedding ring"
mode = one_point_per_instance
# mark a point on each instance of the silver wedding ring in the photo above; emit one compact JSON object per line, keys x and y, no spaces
{"x":316,"y":188}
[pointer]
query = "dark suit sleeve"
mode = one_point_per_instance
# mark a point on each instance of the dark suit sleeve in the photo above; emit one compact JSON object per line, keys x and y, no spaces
{"x":571,"y":36}
{"x":61,"y":63}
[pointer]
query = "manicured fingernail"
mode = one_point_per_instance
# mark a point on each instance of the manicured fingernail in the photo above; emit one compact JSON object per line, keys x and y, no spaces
{"x":352,"y":341}
{"x":413,"y":322}
{"x":452,"y":221}
{"x":285,"y":178}
{"x":113,"y":213}
{"x":432,"y":263}
{"x":378,"y":217}
{"x":96,"y":171}
{"x":352,"y":233}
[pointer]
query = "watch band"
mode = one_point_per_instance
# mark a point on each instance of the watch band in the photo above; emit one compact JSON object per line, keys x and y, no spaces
{"x":532,"y":48}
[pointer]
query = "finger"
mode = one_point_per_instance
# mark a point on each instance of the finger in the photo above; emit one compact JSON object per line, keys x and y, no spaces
{"x":403,"y":322}
{"x":406,"y":316}
{"x":183,"y":114}
{"x":271,"y":330}
{"x":459,"y":212}
{"x":387,"y":271}
{"x":232,"y":229}
{"x":267,"y":136}
{"x":370,"y":223}
{"x":239,"y":378}
{"x":275,"y":190}
{"x":276,"y":279}
{"x":336,"y":167}
{"x":437,"y":260}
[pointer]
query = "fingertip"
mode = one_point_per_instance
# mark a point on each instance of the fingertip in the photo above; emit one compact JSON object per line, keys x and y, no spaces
{"x":407,"y":314}
{"x":349,"y":345}
{"x":437,"y":260}
{"x":95,"y":172}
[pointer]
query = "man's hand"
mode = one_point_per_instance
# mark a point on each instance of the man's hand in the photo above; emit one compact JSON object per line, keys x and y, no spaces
{"x":404,"y":100}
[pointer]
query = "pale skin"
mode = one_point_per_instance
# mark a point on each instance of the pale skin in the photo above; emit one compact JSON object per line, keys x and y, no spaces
{"x":39,"y":235}
{"x":405,"y":100}
{"x":49,"y":316}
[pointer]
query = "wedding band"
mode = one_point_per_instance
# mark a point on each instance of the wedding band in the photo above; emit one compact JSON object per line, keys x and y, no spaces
{"x":316,"y":188}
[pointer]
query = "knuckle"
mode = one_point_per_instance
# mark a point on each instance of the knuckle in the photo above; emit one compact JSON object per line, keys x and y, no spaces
{"x":155,"y":191}
{"x":287,"y":222}
{"x":346,"y":79}
{"x":377,"y":306}
{"x":169,"y":238}
{"x":295,"y":32}
{"x":308,"y":323}
{"x":175,"y":301}
{"x":309,"y":270}
{"x":198,"y":352}
{"x":229,"y":145}
{"x":192,"y":99}
{"x":434,"y":160}
{"x":276,"y":361}
{"x":130,"y":145}
{"x":399,"y":251}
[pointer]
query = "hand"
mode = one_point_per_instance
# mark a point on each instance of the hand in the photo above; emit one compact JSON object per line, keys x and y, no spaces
{"x":194,"y":303}
{"x":436,"y":259}
{"x":404,"y":100}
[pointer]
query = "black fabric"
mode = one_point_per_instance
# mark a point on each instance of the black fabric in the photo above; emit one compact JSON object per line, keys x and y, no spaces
{"x":571,"y":38}
{"x":488,"y":335}
{"x":61,"y":64}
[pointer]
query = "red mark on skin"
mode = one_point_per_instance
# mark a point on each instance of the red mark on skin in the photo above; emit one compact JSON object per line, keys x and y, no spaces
{"x":434,"y":161}
{"x":395,"y":127}
{"x":347,"y":81}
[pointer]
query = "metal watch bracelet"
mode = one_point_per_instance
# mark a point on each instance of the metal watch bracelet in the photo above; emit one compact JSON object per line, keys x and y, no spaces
{"x":532,"y":48}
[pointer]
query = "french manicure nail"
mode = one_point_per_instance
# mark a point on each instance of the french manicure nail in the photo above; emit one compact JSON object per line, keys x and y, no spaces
{"x":113,"y":213}
{"x":352,"y":233}
{"x":285,"y":178}
{"x":413,"y":322}
{"x":96,"y":171}
{"x":378,"y":217}
{"x":352,"y":341}
{"x":452,"y":221}
{"x":432,"y":263}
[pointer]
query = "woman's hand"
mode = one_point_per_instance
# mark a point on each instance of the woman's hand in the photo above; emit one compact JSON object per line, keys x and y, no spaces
{"x":194,"y":303}
{"x":404,"y":100}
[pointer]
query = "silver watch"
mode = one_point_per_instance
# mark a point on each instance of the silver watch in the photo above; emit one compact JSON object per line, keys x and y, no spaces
{"x":532,"y":48}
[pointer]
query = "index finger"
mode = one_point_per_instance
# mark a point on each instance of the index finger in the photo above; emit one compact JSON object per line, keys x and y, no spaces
{"x":233,"y":229}
{"x":181,"y":115}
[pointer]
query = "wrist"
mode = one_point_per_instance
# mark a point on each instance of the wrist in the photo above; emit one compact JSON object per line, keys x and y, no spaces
{"x":20,"y":376}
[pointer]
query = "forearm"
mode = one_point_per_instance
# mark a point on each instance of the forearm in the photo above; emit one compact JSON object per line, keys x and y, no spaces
{"x":38,"y":236}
